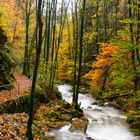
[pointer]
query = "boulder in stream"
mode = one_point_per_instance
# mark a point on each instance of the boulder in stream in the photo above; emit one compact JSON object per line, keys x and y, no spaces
{"x":79,"y":125}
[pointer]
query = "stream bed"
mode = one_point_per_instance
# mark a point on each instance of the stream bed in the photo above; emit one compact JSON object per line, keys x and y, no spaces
{"x":105,"y":123}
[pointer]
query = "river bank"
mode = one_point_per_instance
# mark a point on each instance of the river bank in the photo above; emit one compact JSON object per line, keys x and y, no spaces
{"x":59,"y":120}
{"x":104,"y":122}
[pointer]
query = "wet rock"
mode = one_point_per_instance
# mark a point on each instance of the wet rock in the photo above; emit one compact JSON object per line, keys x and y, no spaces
{"x":94,"y":120}
{"x":89,"y":138}
{"x":1,"y":120}
{"x":73,"y":119}
{"x":106,"y":103}
{"x":98,"y":110}
{"x":79,"y":125}
{"x":137,"y":138}
{"x":50,"y":134}
{"x":89,"y":107}
{"x":68,"y":136}
{"x":121,"y":121}
{"x":94,"y":103}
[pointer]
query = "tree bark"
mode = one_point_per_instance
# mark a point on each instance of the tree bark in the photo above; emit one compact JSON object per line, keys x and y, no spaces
{"x":132,"y":41}
{"x":38,"y":52}
{"x":26,"y":55}
{"x":80,"y":52}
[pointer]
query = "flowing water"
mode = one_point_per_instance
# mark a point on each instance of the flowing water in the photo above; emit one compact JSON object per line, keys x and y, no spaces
{"x":105,"y":123}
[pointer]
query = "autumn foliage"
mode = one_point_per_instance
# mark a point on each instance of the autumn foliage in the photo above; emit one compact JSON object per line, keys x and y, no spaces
{"x":102,"y":65}
{"x":65,"y":69}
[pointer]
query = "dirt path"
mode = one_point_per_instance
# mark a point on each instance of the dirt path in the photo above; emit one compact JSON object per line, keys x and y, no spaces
{"x":22,"y":83}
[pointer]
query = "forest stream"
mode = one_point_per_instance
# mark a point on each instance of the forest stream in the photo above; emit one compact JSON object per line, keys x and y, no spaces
{"x":105,"y":123}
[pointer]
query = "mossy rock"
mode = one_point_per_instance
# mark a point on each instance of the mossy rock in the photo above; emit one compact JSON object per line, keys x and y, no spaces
{"x":21,"y":104}
{"x":53,"y":115}
{"x":51,"y":95}
{"x":66,"y":105}
{"x":6,"y":64}
{"x":134,"y":121}
{"x":48,"y":138}
{"x":79,"y":125}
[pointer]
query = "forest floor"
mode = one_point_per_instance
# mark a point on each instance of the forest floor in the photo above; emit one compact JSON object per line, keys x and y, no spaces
{"x":50,"y":116}
{"x":22,"y":83}
{"x":10,"y":122}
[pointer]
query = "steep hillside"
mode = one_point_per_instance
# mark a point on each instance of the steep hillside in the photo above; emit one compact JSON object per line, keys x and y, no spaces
{"x":6,"y":63}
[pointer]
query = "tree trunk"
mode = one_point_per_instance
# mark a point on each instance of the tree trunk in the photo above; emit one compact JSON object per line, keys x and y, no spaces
{"x":53,"y":40}
{"x":76,"y":43}
{"x":105,"y":6}
{"x":38,"y":52}
{"x":97,"y":26}
{"x":80,"y":52}
{"x":132,"y":41}
{"x":138,"y":30}
{"x":26,"y":55}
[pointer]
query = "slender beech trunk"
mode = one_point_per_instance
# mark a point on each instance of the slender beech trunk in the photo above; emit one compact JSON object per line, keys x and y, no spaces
{"x":76,"y":44}
{"x":59,"y":41}
{"x":32,"y":44}
{"x":38,"y":52}
{"x":132,"y":41}
{"x":104,"y":81}
{"x":53,"y":39}
{"x":69,"y":39}
{"x":48,"y":34}
{"x":26,"y":55}
{"x":97,"y":26}
{"x":14,"y":34}
{"x":105,"y":6}
{"x":54,"y":62}
{"x":116,"y":16}
{"x":46,"y":30}
{"x":137,"y":44}
{"x":80,"y":52}
{"x":138,"y":30}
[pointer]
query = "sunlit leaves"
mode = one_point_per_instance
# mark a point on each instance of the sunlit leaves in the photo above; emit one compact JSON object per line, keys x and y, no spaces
{"x":65,"y":69}
{"x":102,"y":64}
{"x":11,"y":19}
